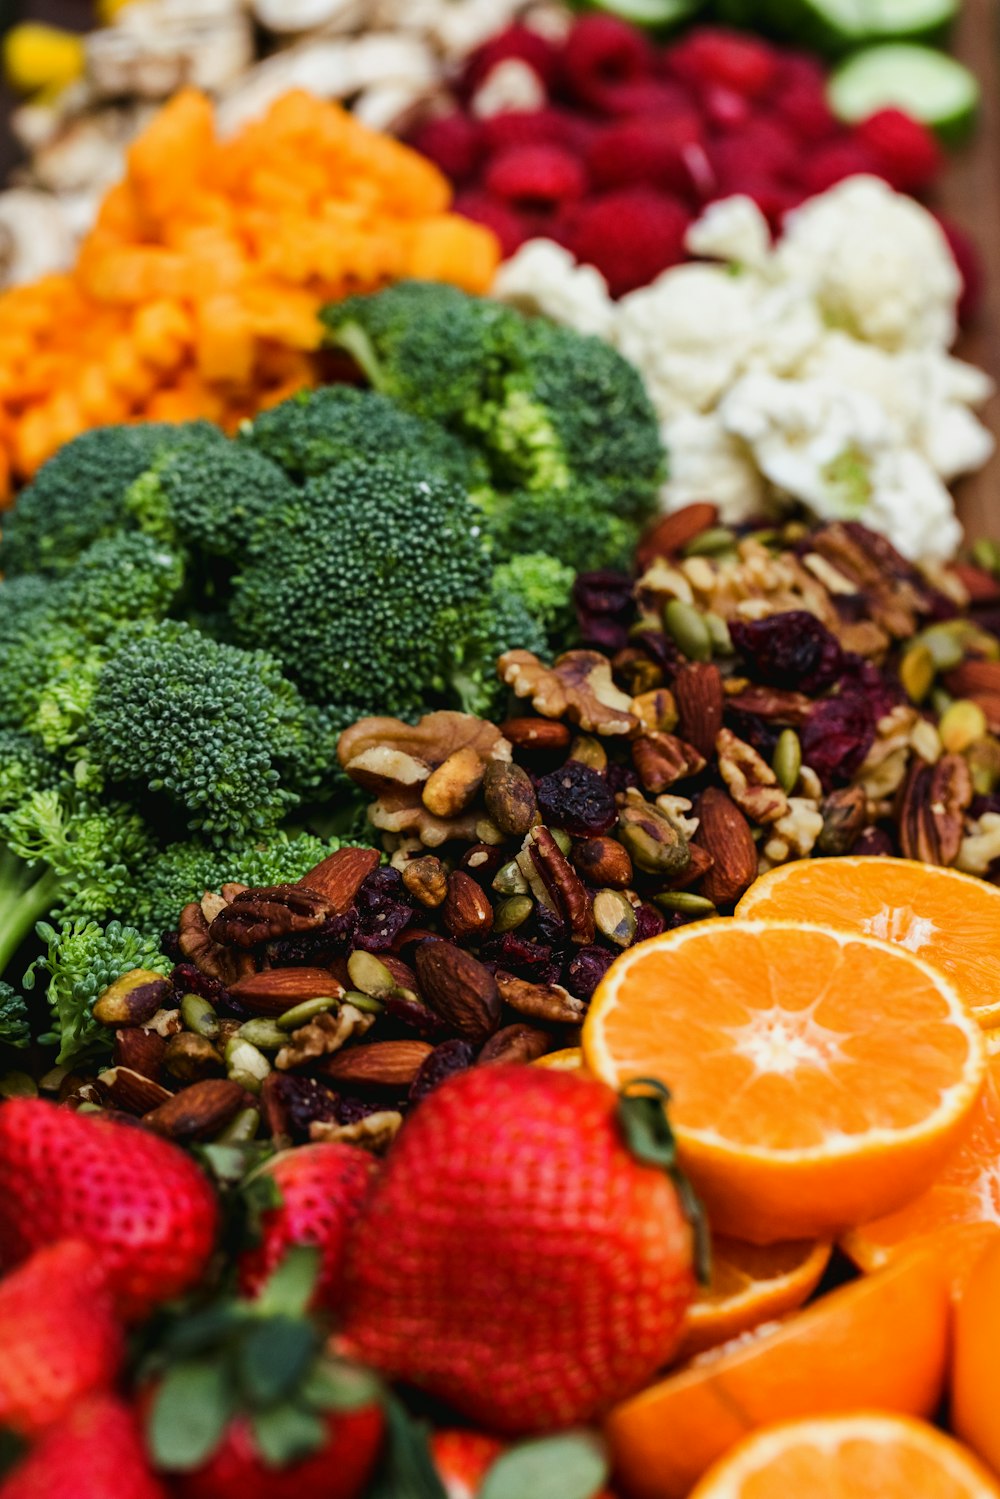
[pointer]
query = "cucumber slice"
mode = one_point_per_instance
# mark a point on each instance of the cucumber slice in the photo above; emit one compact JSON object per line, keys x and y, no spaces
{"x":851,"y":23}
{"x":927,"y":84}
{"x":650,"y":12}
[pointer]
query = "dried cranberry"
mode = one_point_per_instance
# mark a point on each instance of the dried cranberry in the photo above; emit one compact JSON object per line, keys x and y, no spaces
{"x":383,"y":910}
{"x":620,"y":777}
{"x":983,"y":804}
{"x":875,"y":843}
{"x":837,"y":736}
{"x":315,"y":949}
{"x":577,"y":798}
{"x":444,"y":1061}
{"x":170,"y":946}
{"x":411,"y":1015}
{"x":789,"y":650}
{"x":648,"y":922}
{"x":603,"y":592}
{"x":351,"y":1110}
{"x":659,"y":648}
{"x":598,"y":632}
{"x":587,"y":967}
{"x":763,"y":736}
{"x":882,"y":692}
{"x":187,"y":979}
{"x":301,"y":1100}
{"x":518,"y":955}
{"x":550,"y":925}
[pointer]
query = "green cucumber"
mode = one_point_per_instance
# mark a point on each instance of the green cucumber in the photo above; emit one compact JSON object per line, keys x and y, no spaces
{"x":652,"y":13}
{"x":839,"y":26}
{"x":926,"y":84}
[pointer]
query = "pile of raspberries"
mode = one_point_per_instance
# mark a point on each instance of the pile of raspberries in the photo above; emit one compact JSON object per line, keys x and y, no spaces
{"x":634,"y":139}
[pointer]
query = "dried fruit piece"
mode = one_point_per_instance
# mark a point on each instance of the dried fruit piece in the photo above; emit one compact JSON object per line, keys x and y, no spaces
{"x":577,"y":798}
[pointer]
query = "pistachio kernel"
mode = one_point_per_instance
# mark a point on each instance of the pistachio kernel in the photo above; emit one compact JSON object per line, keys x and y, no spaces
{"x":916,"y":672}
{"x":962,"y":725}
{"x":199,"y":1016}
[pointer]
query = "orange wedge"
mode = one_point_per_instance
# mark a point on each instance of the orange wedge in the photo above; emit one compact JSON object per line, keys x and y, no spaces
{"x":819,"y":1078}
{"x":751,"y":1283}
{"x":949,"y":919}
{"x":959,"y":1213}
{"x":881,"y":1341}
{"x":865,"y":1456}
{"x":975,"y":1393}
{"x":569,"y":1059}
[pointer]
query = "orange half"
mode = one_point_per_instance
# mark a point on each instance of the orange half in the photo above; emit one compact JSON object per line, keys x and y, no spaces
{"x":959,"y":1214}
{"x":751,"y":1283}
{"x":819,"y":1078}
{"x":949,"y":919}
{"x":868,"y":1455}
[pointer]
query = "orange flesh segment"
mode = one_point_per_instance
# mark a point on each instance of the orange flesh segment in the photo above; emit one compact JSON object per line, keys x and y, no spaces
{"x":949,"y":919}
{"x":750,"y":1284}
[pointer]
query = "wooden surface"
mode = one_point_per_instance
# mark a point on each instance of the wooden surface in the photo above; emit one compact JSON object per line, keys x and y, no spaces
{"x":969,"y":194}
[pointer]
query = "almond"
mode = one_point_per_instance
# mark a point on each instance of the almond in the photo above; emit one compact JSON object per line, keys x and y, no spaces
{"x":453,"y":786}
{"x":537,"y":734}
{"x":669,"y":535}
{"x":139,"y":1049}
{"x":466,"y":912}
{"x":699,"y":696}
{"x":278,"y":989}
{"x":515,"y":1043}
{"x":603,"y":861}
{"x":973,"y":676}
{"x":725,"y":833}
{"x":198,"y":1112}
{"x":340,"y":877}
{"x":383,"y":1064}
{"x":459,"y":989}
{"x":131,"y":1091}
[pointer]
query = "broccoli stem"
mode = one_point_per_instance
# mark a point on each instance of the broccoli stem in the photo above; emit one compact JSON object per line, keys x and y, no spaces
{"x":353,"y":339}
{"x":25,"y":897}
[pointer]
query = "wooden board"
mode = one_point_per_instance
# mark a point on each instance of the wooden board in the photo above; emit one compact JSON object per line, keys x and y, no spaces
{"x":969,"y":194}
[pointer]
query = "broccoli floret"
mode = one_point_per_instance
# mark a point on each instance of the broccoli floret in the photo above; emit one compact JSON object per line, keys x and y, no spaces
{"x":184,"y":871}
{"x":209,"y":497}
{"x":365,"y":590}
{"x":570,"y":526}
{"x":562,"y":419}
{"x":81,"y":960}
{"x":209,"y":727}
{"x":542,"y":583}
{"x":15,"y":1030}
{"x":316,"y":430}
{"x":78,"y":495}
{"x":118,"y":579}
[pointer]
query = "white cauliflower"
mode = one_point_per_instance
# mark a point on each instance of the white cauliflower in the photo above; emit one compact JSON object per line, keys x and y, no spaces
{"x":544,"y":278}
{"x":709,"y":463}
{"x":878,"y":264}
{"x":733,"y":229}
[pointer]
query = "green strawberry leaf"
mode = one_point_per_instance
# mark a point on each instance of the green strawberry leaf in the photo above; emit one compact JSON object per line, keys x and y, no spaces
{"x":12,"y":1449}
{"x":189,"y":1415}
{"x":341,"y":1387}
{"x":230,"y":1164}
{"x":407,"y":1470}
{"x":285,"y":1434}
{"x":290,"y":1287}
{"x":642,"y":1116}
{"x":573,"y":1465}
{"x":273,"y":1356}
{"x":201,"y":1330}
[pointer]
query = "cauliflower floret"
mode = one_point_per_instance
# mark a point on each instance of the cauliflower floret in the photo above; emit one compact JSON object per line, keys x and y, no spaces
{"x":878,"y":263}
{"x":911,"y":506}
{"x":708,"y":463}
{"x":690,"y":334}
{"x":544,"y":278}
{"x":733,"y":229}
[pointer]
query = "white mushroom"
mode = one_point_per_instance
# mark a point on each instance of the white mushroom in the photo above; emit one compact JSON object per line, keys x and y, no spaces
{"x":289,"y":16}
{"x":35,"y":238}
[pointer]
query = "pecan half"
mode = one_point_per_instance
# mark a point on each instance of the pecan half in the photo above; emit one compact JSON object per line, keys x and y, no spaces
{"x":700,"y":700}
{"x":725,"y":833}
{"x":207,"y":955}
{"x":264,"y":914}
{"x":932,"y":810}
{"x":459,"y":988}
{"x":752,"y":783}
{"x":550,"y":1003}
{"x":773,"y":703}
{"x":662,"y":759}
{"x":567,"y":891}
{"x":578,"y":686}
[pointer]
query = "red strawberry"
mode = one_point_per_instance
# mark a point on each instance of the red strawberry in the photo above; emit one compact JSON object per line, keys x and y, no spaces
{"x":95,"y":1452}
{"x":139,"y":1201}
{"x":514,"y":1258}
{"x":600,"y":55}
{"x":535,"y":177}
{"x":322,"y":1188}
{"x":340,"y":1469}
{"x":906,"y":153}
{"x":630,"y":235}
{"x":59,"y":1334}
{"x":463,"y":1459}
{"x":453,"y":142}
{"x":711,"y":56}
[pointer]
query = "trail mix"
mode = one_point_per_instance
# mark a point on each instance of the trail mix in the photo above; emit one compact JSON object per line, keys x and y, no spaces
{"x":749,"y":700}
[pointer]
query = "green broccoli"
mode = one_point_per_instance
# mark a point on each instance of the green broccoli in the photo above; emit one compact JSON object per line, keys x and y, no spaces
{"x":365,"y":589}
{"x":81,"y":960}
{"x":543,"y":584}
{"x":207,"y":726}
{"x":15,"y":1030}
{"x":316,"y":430}
{"x":78,"y":495}
{"x":563,"y":421}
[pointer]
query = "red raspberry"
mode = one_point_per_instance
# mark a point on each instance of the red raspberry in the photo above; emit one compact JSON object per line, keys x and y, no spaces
{"x":511,"y":228}
{"x":798,"y":98}
{"x":831,"y":163}
{"x":630,"y":235}
{"x":518,"y":42}
{"x":535,"y":176}
{"x":907,"y":153}
{"x":725,"y":108}
{"x":970,"y":268}
{"x":640,"y":150}
{"x":647,"y":96}
{"x":526,"y":127}
{"x":600,"y":55}
{"x":774,"y":199}
{"x":712,"y":55}
{"x":454,"y":142}
{"x":761,"y":148}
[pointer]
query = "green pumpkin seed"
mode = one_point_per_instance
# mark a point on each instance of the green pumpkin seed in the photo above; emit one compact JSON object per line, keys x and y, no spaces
{"x":199,"y":1016}
{"x":305,"y":1011}
{"x":718,"y":631}
{"x":686,"y":902}
{"x":986,"y":554}
{"x":512,"y":913}
{"x":240,"y":1129}
{"x":709,"y":543}
{"x":944,"y":646}
{"x":615,"y":917}
{"x":787,"y":762}
{"x":688,"y":630}
{"x":266,"y":1034}
{"x":509,"y":880}
{"x":368,"y":974}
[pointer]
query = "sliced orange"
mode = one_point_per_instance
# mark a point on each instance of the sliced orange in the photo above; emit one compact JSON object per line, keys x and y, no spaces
{"x":750,"y":1284}
{"x":569,"y":1059}
{"x":949,"y":919}
{"x":959,"y":1213}
{"x":975,"y":1391}
{"x":869,"y":1455}
{"x":819,"y":1078}
{"x":881,"y":1341}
